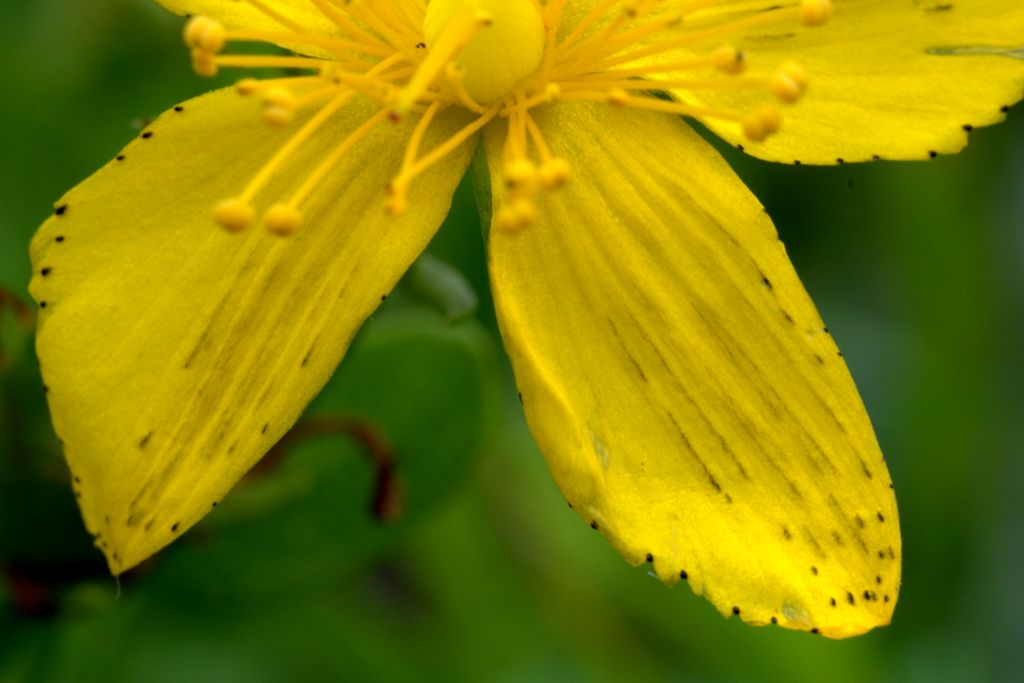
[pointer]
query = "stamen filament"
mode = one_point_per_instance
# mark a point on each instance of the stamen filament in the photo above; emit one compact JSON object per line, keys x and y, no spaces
{"x":310,"y":183}
{"x":690,"y":38}
{"x":461,"y":27}
{"x":343,"y":22}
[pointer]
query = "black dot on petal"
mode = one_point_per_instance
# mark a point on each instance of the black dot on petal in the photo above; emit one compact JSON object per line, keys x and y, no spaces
{"x":878,"y":579}
{"x":147,"y":135}
{"x":42,"y":304}
{"x":740,"y":147}
{"x":650,"y":558}
{"x":968,"y":128}
{"x":174,"y":527}
{"x":61,"y":210}
{"x":881,"y":517}
{"x":179,"y":108}
{"x":840,"y":160}
{"x":266,"y":426}
{"x":593,"y":525}
{"x":1005,"y":108}
{"x":832,"y":601}
{"x":44,"y":272}
{"x":683,"y":575}
{"x":815,"y":631}
{"x":849,"y":598}
{"x":383,"y":297}
{"x":120,"y":157}
{"x":215,"y":503}
{"x":797,"y":162}
{"x":885,"y":598}
{"x":569,"y":504}
{"x":775,"y":620}
{"x":814,"y":570}
{"x":867,"y":595}
{"x":736,"y":610}
{"x":875,"y":157}
{"x":932,"y":154}
{"x":59,"y":238}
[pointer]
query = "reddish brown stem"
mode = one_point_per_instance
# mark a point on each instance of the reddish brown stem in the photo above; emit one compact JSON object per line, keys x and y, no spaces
{"x":387,"y":499}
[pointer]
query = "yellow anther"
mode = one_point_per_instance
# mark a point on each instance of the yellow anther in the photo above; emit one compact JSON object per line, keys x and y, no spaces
{"x":728,"y":59}
{"x":815,"y":12}
{"x":790,"y":82}
{"x":195,"y":28}
{"x":507,"y":219}
{"x":754,"y":129}
{"x":279,"y":97}
{"x":247,"y":86}
{"x":763,"y":123}
{"x":278,"y":117}
{"x":770,"y":117}
{"x":203,"y":62}
{"x":555,"y":173}
{"x":516,"y":215}
{"x":213,"y":38}
{"x":796,"y":72}
{"x":525,"y":211}
{"x":278,"y":107}
{"x":785,"y":87}
{"x":618,"y":97}
{"x":520,"y":175}
{"x":205,"y":34}
{"x":282,"y":219}
{"x":234,"y":214}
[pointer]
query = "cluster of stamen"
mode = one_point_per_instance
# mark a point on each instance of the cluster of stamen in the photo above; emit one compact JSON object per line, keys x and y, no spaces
{"x":620,"y":53}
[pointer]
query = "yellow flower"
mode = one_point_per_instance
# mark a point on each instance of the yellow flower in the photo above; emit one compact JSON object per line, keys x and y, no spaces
{"x":690,"y":402}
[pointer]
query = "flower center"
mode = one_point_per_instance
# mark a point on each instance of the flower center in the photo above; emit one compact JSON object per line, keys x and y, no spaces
{"x":500,"y":55}
{"x":499,"y":59}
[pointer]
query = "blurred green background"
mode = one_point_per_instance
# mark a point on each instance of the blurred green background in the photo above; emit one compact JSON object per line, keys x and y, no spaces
{"x":917,"y":268}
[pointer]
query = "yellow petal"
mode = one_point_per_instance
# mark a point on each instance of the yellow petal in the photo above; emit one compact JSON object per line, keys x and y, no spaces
{"x":176,"y":353}
{"x":242,"y":15}
{"x":674,"y":372}
{"x":890,"y":79}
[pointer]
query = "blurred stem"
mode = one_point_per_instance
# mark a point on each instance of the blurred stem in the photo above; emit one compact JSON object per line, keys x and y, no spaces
{"x":387,"y":501}
{"x":22,"y":316}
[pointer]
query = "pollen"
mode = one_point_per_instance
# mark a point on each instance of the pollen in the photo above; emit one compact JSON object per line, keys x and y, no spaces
{"x":500,"y":60}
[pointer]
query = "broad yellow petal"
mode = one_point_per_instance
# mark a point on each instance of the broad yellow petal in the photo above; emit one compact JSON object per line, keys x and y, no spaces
{"x":689,"y":401}
{"x":175,"y":353}
{"x":238,"y":14}
{"x":889,"y":79}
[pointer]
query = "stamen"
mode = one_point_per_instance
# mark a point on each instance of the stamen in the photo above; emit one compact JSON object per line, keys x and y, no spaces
{"x":461,"y":27}
{"x":336,"y":155}
{"x":418,"y":58}
{"x":234,"y":215}
{"x":282,"y":219}
{"x":692,"y":37}
{"x":401,"y":182}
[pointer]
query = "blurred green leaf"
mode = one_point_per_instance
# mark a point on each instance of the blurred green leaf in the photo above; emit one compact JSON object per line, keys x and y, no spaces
{"x":306,"y":523}
{"x":435,"y":282}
